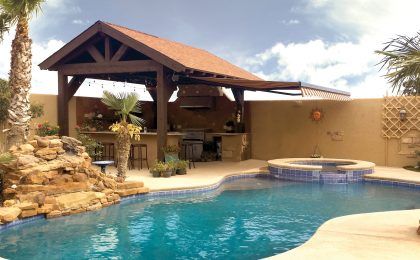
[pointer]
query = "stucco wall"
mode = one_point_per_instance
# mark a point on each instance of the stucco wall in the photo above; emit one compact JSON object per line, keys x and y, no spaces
{"x":284,"y":129}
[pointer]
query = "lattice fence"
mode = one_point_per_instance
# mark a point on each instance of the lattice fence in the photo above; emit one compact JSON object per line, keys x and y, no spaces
{"x":393,"y":126}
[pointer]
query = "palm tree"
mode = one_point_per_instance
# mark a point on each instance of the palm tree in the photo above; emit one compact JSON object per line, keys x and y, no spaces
{"x":402,"y":62}
{"x":124,"y":105}
{"x":18,"y":12}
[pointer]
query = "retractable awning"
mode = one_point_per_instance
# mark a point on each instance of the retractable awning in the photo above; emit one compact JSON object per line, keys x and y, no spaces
{"x":279,"y":87}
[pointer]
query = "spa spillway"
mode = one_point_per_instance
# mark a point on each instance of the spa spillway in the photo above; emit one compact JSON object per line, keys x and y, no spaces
{"x":321,"y":170}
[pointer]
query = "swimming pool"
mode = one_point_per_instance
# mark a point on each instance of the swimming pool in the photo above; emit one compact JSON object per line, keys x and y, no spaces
{"x":246,"y":219}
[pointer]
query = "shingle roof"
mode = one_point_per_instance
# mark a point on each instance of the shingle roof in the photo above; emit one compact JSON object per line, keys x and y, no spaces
{"x":190,"y":57}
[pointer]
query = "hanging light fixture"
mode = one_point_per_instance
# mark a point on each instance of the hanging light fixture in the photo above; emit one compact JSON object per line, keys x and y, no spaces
{"x":403,"y":114}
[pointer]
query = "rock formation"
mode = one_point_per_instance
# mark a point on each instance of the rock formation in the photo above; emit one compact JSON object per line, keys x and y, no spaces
{"x":54,"y":176}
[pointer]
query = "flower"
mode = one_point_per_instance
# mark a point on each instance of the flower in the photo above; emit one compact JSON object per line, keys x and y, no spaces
{"x":99,"y":116}
{"x":39,"y":125}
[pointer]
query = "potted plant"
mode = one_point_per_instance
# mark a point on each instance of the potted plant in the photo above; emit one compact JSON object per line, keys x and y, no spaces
{"x":167,"y":172}
{"x":172,"y":166}
{"x":181,"y":167}
{"x":157,"y":169}
{"x":171,"y":153}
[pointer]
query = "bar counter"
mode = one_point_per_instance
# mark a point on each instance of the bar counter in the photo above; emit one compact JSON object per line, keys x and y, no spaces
{"x":148,"y":138}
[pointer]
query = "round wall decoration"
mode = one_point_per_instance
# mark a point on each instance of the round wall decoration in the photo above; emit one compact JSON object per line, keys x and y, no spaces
{"x":316,"y":114}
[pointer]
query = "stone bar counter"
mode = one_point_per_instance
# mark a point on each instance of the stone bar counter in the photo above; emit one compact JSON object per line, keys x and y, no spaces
{"x":148,"y":138}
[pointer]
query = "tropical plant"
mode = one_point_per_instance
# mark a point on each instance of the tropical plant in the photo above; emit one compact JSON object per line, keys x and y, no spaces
{"x":46,"y":129}
{"x":36,"y":110}
{"x":125,"y":106}
{"x":170,"y":149}
{"x":18,"y":13}
{"x":93,"y":147}
{"x":402,"y":63}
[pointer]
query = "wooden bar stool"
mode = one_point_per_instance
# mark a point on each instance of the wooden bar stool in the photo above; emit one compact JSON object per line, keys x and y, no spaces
{"x":108,"y":152}
{"x":133,"y":158}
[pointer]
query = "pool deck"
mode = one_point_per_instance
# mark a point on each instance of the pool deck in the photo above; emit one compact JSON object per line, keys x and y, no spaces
{"x":382,"y":235}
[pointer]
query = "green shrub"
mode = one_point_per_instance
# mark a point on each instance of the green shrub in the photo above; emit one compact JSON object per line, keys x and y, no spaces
{"x":36,"y":110}
{"x":93,"y":148}
{"x":46,"y":129}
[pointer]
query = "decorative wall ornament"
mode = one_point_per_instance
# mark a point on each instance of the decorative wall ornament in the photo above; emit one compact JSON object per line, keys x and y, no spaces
{"x":400,"y":116}
{"x":316,"y":115}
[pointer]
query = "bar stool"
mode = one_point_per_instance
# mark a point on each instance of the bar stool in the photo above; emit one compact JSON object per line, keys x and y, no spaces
{"x":133,"y":158}
{"x":108,"y":151}
{"x":189,"y":146}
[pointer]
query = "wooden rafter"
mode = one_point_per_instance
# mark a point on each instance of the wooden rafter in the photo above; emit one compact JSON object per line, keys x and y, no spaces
{"x":107,"y":49}
{"x":96,"y":55}
{"x":120,"y":52}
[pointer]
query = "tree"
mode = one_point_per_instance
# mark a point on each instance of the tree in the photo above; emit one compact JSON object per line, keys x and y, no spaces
{"x":402,"y":62}
{"x":125,"y":106}
{"x":18,"y":13}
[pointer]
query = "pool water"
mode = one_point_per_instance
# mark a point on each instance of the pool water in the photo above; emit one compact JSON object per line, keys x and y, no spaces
{"x":246,"y":219}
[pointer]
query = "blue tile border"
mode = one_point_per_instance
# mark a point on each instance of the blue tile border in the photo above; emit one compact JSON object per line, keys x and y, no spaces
{"x":410,"y":185}
{"x":21,"y":221}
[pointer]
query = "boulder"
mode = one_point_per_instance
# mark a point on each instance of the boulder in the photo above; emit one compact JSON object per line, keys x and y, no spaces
{"x":29,"y":213}
{"x":70,"y":144}
{"x":80,"y":177}
{"x":55,"y":143}
{"x":46,"y":153}
{"x":42,"y":141}
{"x":9,"y":214}
{"x":47,"y":208}
{"x":9,"y":203}
{"x":128,"y":192}
{"x":26,"y":161}
{"x":26,"y":149}
{"x":27,"y":206}
{"x":130,"y":185}
{"x":54,"y":214}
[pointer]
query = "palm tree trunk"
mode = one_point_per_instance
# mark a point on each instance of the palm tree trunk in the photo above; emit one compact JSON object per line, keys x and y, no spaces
{"x":124,"y":143}
{"x":20,"y":84}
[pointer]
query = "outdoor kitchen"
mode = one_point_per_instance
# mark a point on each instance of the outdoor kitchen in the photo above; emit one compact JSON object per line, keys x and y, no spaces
{"x":202,"y":122}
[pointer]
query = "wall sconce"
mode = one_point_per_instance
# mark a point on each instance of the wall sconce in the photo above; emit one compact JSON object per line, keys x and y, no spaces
{"x":403,"y":114}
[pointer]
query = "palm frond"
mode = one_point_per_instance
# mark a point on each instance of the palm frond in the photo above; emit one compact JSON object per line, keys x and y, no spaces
{"x":5,"y":24}
{"x":401,"y":60}
{"x":19,"y":8}
{"x":124,"y":104}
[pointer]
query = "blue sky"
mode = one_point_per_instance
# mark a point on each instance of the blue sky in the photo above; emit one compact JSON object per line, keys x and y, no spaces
{"x":325,"y":42}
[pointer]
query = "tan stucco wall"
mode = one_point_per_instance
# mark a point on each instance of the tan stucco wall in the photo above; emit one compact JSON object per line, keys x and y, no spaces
{"x":284,"y":129}
{"x":50,"y":111}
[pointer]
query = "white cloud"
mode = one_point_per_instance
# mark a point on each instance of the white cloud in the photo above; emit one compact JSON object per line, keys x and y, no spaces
{"x":347,"y":65}
{"x":80,"y":22}
{"x":290,"y":22}
{"x":44,"y":82}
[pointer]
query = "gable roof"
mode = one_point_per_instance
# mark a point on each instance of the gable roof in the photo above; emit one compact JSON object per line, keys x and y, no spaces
{"x":177,"y":56}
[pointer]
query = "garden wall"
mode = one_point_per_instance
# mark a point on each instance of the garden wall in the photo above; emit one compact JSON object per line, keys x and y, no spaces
{"x":348,"y":130}
{"x":284,"y":129}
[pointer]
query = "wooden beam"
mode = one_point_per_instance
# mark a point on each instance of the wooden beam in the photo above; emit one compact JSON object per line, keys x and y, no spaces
{"x":96,"y":55}
{"x":239,"y":95}
{"x":109,"y":67}
{"x":62,"y":104}
{"x":73,"y":86}
{"x":164,"y":90}
{"x":107,"y":49}
{"x":120,"y":52}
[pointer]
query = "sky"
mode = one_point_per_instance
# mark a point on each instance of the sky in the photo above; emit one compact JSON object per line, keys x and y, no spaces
{"x":324,"y":42}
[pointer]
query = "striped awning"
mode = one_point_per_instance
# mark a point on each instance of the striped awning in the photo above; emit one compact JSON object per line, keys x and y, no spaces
{"x":317,"y":92}
{"x":279,"y":87}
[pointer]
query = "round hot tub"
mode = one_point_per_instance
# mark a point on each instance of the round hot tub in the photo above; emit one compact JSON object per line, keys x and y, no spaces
{"x":321,"y":170}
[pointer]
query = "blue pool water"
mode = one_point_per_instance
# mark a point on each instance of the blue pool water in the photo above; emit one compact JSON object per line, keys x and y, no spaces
{"x":246,"y":219}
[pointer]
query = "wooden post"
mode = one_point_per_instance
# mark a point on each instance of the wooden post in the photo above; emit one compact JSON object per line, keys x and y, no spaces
{"x":240,"y":100}
{"x":62,"y":105}
{"x":164,"y":90}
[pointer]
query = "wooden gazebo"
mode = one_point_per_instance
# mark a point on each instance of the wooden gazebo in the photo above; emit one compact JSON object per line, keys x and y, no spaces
{"x":110,"y":52}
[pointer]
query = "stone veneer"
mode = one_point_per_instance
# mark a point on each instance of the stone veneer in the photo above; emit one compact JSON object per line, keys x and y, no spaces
{"x":53,"y":176}
{"x":321,"y":170}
